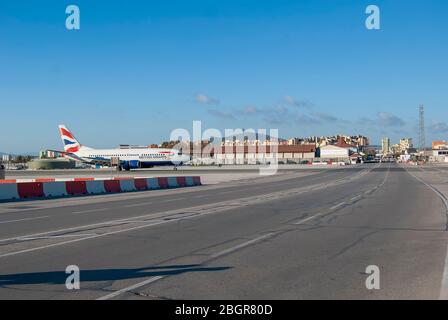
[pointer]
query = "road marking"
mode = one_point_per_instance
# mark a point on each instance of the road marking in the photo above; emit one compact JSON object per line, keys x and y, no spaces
{"x":444,"y":285}
{"x":217,"y":207}
{"x":133,"y":287}
{"x":156,"y":278}
{"x":338,"y":205}
{"x":89,"y":211}
{"x":81,"y":239}
{"x":240,"y":246}
{"x":308,"y":219}
{"x":25,"y":219}
{"x":138,"y":204}
{"x":57,"y":237}
{"x":356,"y":197}
{"x":171,"y":200}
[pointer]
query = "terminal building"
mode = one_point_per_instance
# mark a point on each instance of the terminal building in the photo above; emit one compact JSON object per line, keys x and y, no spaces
{"x":264,"y":154}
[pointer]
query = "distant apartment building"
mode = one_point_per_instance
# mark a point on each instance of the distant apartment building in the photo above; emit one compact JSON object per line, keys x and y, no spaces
{"x":385,"y":145}
{"x":395,"y":149}
{"x":406,"y":144}
{"x":358,"y":141}
{"x":8,"y":158}
{"x":361,"y":141}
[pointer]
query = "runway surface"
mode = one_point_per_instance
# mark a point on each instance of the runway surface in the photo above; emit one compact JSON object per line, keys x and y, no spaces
{"x":288,"y":236}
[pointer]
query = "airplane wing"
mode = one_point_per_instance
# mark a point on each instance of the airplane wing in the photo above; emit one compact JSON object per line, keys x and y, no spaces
{"x":72,"y":156}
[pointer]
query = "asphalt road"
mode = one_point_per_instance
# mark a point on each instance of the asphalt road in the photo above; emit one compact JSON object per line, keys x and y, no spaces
{"x":283,"y":237}
{"x":157,"y":171}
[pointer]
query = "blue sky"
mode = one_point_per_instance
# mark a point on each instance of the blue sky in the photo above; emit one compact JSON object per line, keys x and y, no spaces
{"x":138,"y":69}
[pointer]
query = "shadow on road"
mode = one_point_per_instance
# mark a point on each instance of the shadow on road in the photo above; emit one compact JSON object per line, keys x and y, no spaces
{"x":59,"y":277}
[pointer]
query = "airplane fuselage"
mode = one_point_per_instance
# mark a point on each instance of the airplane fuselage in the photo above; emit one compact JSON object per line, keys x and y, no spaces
{"x":135,"y":158}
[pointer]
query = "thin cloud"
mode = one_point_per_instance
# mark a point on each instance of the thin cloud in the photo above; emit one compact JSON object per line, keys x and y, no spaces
{"x":383,"y":119}
{"x":296,"y":103}
{"x":305,"y":119}
{"x":221,"y":114}
{"x":205,"y":99}
{"x":438,"y":127}
{"x":325,"y":117}
{"x":250,"y":111}
{"x":389,"y":120}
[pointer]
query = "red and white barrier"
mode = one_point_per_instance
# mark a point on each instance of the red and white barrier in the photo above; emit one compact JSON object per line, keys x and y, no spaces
{"x":48,"y":188}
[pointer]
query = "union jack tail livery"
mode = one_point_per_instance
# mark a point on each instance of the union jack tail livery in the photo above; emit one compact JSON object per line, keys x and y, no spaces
{"x":71,"y":145}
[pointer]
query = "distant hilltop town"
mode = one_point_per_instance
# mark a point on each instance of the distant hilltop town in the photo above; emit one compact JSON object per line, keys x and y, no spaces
{"x":244,"y":150}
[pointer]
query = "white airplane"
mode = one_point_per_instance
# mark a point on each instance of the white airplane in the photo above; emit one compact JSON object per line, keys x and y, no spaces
{"x":129,"y":158}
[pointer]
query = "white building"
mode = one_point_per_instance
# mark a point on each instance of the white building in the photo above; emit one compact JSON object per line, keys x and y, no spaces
{"x":331,"y":152}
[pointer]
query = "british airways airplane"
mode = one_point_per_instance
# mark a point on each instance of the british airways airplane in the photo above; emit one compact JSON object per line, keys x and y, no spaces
{"x":132,"y":158}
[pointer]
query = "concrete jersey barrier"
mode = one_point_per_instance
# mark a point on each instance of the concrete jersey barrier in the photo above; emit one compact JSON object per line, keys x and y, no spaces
{"x":50,"y":188}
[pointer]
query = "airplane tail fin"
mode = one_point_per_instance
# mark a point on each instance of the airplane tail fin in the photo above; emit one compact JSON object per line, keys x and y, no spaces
{"x":71,"y":145}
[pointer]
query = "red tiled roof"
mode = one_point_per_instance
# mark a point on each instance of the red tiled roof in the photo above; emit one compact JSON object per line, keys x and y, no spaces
{"x":342,"y":144}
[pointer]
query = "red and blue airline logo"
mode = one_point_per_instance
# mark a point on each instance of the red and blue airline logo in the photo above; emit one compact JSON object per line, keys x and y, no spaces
{"x":70,"y":143}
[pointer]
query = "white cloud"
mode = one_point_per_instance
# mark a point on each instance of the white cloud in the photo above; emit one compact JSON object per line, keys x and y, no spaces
{"x":205,"y":99}
{"x":296,"y":103}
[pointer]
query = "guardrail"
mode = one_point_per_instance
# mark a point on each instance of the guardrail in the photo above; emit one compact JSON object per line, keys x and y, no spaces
{"x":50,"y":188}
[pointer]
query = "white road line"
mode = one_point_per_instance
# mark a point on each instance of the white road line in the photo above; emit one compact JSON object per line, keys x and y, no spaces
{"x":25,"y":219}
{"x":308,"y":219}
{"x":57,"y":237}
{"x":81,"y":239}
{"x":156,"y":278}
{"x":89,"y":211}
{"x":138,"y":204}
{"x":338,"y":205}
{"x":240,"y":246}
{"x":356,"y":197}
{"x":444,"y":285}
{"x":133,"y":287}
{"x":125,"y":220}
{"x":171,"y":200}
